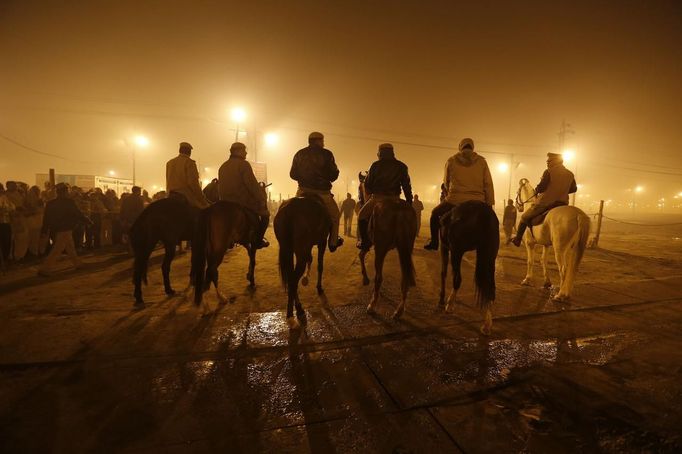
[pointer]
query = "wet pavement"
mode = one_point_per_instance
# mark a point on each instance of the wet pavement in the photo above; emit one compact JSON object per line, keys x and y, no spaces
{"x":80,"y":371}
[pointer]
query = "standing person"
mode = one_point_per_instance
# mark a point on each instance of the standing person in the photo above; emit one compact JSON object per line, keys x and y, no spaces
{"x":509,"y":220}
{"x":34,"y":219}
{"x":348,"y":208}
{"x":418,"y":207}
{"x":6,"y":212}
{"x":18,"y":221}
{"x":93,"y":236}
{"x":467,"y":177}
{"x":182,"y":178}
{"x":237,"y":183}
{"x":314,"y":169}
{"x":61,"y":217}
{"x":385,"y":179}
{"x":556,"y":184}
{"x":131,"y":207}
{"x":83,"y":204}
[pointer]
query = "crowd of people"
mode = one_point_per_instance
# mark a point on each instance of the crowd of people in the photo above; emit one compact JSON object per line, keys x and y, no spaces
{"x":106,"y":217}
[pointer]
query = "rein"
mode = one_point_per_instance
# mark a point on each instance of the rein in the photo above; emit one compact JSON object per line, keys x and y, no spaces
{"x":519,"y":203}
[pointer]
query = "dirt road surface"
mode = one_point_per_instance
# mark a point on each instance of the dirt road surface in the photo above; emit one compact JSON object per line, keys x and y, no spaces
{"x":81,"y":371}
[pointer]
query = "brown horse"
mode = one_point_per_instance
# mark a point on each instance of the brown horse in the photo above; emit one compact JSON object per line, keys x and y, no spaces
{"x":393,"y":225}
{"x":169,"y":221}
{"x":300,"y":224}
{"x":471,"y":226}
{"x":220,"y":227}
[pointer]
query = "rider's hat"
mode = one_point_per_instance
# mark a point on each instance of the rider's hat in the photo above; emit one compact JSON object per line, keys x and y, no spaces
{"x":185,"y":146}
{"x":555,"y":156}
{"x":386,"y":146}
{"x":315,"y":136}
{"x":466,"y":143}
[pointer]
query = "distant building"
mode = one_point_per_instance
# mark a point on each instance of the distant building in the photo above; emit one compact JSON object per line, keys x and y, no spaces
{"x":119,"y":185}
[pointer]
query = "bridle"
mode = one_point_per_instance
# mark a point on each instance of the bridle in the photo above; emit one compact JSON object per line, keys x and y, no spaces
{"x":519,"y":203}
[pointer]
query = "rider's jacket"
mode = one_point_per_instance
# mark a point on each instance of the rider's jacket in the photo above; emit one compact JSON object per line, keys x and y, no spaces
{"x":467,"y":177}
{"x":314,"y":168}
{"x":556,"y":183}
{"x":182,"y":177}
{"x":237,"y":183}
{"x":387,"y":176}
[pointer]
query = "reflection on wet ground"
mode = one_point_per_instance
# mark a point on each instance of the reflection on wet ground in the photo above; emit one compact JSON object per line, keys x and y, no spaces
{"x":603,"y":373}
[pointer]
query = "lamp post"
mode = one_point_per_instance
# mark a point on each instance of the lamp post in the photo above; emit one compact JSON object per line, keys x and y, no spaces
{"x":138,"y":141}
{"x":238,"y":116}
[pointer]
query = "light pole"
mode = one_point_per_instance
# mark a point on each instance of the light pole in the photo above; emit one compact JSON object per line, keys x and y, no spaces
{"x":138,"y":141}
{"x":238,"y":116}
{"x":635,"y":191}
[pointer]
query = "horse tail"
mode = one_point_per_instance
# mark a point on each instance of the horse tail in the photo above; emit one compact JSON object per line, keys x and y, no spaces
{"x":486,"y":254}
{"x":142,"y":244}
{"x":284,"y":232}
{"x":576,"y":247}
{"x":199,"y":246}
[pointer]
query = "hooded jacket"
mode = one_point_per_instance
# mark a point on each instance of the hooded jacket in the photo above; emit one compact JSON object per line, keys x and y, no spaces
{"x":467,"y":177}
{"x":556,"y":183}
{"x":314,"y":167}
{"x":237,"y":183}
{"x":387,"y":176}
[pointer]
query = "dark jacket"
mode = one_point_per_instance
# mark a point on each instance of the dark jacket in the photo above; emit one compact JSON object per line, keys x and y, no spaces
{"x":314,"y":168}
{"x":347,"y":207}
{"x":61,"y":215}
{"x":509,"y":215}
{"x":387,"y":176}
{"x":556,"y":183}
{"x":131,"y":207}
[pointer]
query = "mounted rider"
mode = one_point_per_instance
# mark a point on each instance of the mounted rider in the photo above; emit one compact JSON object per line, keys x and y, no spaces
{"x":467,"y":177}
{"x":314,"y":169}
{"x":385,"y":179}
{"x":182,"y":178}
{"x":556,"y":184}
{"x":237,"y":183}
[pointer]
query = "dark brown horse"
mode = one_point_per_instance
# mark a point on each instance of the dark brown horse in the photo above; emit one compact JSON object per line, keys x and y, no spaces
{"x":169,"y":221}
{"x":393,"y":225}
{"x":300,"y":224}
{"x":471,"y":226}
{"x":220,"y":227}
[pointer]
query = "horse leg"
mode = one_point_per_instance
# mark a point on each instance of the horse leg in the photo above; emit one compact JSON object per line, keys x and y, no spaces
{"x":214,"y":261}
{"x":306,"y":275}
{"x":299,"y":269}
{"x":545,"y":274}
{"x":379,"y":256}
{"x":140,"y":265}
{"x":560,"y":251}
{"x":456,"y":279}
{"x":487,"y":326}
{"x":251,"y":275}
{"x":165,"y":268}
{"x":444,"y":258}
{"x":320,"y":266}
{"x":363,"y":268}
{"x":530,"y":254}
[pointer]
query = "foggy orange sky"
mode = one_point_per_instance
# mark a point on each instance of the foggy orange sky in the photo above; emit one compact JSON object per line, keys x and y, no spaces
{"x":80,"y":78}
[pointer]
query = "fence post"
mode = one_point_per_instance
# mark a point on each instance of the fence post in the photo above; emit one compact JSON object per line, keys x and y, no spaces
{"x":595,"y":241}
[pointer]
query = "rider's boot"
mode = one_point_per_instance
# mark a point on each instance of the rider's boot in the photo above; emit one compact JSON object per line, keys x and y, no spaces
{"x":363,"y":241}
{"x":434,"y":225}
{"x":519,"y":234}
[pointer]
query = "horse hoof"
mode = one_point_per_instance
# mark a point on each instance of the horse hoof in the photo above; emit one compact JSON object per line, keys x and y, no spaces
{"x":397,"y":314}
{"x":486,"y":330}
{"x":320,"y":291}
{"x":547,"y":285}
{"x":304,"y":281}
{"x":365,"y":281}
{"x":293,"y":323}
{"x":370,"y":310}
{"x":170,"y":292}
{"x":527,"y":282}
{"x":449,"y":307}
{"x":139,"y":305}
{"x":560,"y":298}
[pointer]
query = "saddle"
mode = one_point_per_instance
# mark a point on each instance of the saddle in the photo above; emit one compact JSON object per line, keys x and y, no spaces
{"x":539,"y":219}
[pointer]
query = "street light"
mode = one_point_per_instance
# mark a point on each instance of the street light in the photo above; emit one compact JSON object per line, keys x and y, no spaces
{"x":138,"y":141}
{"x":636,"y":191}
{"x":238,"y":116}
{"x":503,"y":167}
{"x":271,"y":139}
{"x":112,"y":173}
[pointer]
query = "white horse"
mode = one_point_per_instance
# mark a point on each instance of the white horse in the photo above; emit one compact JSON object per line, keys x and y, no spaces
{"x":566,"y":228}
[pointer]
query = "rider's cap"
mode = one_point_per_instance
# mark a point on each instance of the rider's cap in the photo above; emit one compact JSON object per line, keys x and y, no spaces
{"x":315,"y":136}
{"x":185,"y":146}
{"x":386,"y":146}
{"x":555,"y":156}
{"x":466,"y":143}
